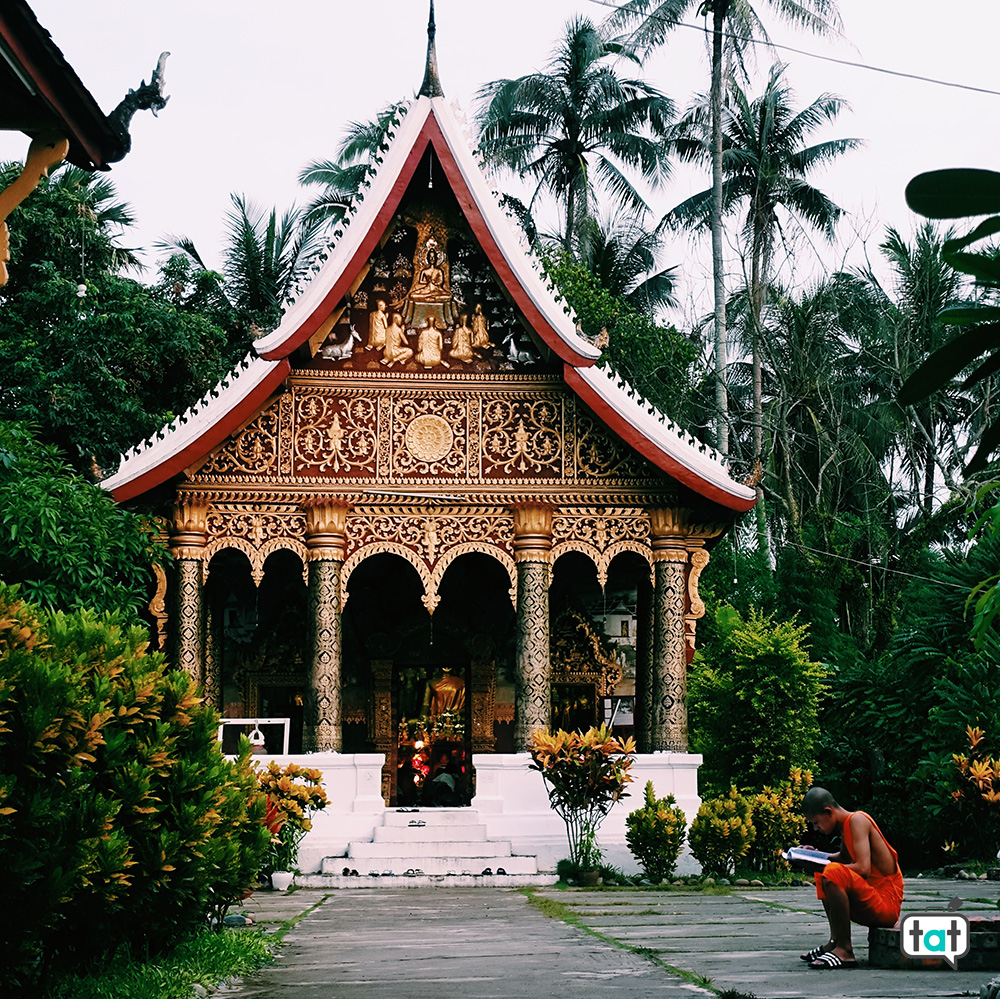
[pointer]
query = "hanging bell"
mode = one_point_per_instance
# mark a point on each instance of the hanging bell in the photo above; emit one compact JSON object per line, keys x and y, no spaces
{"x":81,"y":290}
{"x":256,"y":738}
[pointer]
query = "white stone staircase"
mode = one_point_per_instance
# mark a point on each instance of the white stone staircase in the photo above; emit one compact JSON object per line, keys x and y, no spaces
{"x":445,"y":847}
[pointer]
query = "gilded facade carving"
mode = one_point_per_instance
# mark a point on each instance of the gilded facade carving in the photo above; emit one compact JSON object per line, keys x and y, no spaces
{"x":254,"y":451}
{"x":334,"y":435}
{"x":429,"y":437}
{"x":579,"y":655}
{"x":522,"y":436}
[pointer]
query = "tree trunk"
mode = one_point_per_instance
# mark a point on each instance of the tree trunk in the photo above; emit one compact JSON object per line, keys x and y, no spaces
{"x":756,"y":309}
{"x":570,"y":211}
{"x":721,"y":337}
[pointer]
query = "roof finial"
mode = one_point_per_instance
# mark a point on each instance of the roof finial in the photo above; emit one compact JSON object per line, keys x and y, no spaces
{"x":431,"y":86}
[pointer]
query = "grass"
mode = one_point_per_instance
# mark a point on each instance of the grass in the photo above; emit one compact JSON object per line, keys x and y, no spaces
{"x":206,"y":959}
{"x":559,"y":910}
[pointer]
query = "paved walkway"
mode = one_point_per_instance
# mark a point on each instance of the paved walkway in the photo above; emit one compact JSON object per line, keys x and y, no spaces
{"x":479,"y":944}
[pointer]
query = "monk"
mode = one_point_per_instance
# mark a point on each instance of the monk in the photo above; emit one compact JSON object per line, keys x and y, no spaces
{"x":862,"y":883}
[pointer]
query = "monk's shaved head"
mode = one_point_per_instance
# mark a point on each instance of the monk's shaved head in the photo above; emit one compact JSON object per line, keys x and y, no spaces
{"x":816,"y":800}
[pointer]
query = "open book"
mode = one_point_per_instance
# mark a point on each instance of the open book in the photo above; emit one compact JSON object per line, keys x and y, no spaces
{"x":798,"y":854}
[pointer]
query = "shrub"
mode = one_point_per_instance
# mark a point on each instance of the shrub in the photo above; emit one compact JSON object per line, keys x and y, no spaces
{"x":655,"y":835}
{"x":121,"y":823}
{"x":293,"y":794}
{"x":584,"y":775}
{"x":754,"y":700}
{"x":722,"y":833}
{"x":777,"y":821}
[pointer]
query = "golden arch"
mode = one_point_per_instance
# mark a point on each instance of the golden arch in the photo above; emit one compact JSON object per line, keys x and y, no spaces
{"x":381,"y":548}
{"x":257,"y":556}
{"x":465,"y":548}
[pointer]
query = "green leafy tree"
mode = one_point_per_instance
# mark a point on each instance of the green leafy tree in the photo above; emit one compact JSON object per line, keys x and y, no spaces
{"x":753,"y":698}
{"x":736,"y":23}
{"x":953,"y":194}
{"x":655,"y":360}
{"x":99,"y":372}
{"x":266,"y":256}
{"x":578,"y":126}
{"x":64,"y":540}
{"x":766,"y":161}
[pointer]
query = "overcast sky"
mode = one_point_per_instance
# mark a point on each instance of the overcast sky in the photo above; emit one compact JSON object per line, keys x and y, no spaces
{"x":259,"y":89}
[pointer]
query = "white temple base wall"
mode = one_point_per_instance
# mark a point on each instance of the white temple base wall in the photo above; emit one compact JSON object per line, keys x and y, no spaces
{"x":510,"y":799}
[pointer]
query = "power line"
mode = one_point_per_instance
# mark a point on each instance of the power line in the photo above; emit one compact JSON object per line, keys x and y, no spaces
{"x":872,"y":567}
{"x":816,"y":55}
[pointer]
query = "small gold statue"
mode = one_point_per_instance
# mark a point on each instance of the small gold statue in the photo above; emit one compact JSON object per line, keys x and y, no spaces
{"x":430,"y":345}
{"x":480,"y":330}
{"x":377,"y":324}
{"x":397,"y":349}
{"x":461,"y":341}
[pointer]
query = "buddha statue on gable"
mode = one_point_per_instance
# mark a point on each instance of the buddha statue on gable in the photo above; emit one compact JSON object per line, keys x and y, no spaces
{"x":430,"y":302}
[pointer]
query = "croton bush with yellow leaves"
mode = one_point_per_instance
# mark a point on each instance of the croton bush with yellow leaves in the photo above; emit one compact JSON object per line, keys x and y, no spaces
{"x":966,"y":800}
{"x":121,"y":823}
{"x":584,"y":774}
{"x":722,"y":833}
{"x":293,"y":793}
{"x":655,"y":834}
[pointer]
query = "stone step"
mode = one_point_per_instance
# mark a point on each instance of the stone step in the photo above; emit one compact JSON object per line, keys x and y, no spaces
{"x":417,"y":850}
{"x":431,"y":816}
{"x":456,"y":865}
{"x":429,"y":834}
{"x":328,"y":881}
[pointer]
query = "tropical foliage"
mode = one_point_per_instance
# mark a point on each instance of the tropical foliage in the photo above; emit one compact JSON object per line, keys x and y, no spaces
{"x":293,"y":794}
{"x":655,"y":834}
{"x":585,"y":774}
{"x":121,"y":823}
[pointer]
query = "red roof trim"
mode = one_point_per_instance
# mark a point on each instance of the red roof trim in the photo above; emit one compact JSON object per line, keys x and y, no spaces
{"x":213,"y":436}
{"x":637,"y":440}
{"x":482,"y":232}
{"x":430,"y":132}
{"x":346,"y":277}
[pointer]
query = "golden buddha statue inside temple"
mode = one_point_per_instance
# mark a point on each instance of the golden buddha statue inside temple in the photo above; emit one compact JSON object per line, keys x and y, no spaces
{"x":447,"y":693}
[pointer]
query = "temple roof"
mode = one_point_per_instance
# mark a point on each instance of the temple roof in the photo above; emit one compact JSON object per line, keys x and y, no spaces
{"x":429,"y":123}
{"x":39,"y":91}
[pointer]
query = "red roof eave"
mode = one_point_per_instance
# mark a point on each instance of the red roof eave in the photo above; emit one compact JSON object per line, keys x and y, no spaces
{"x":214,"y":435}
{"x":636,"y":439}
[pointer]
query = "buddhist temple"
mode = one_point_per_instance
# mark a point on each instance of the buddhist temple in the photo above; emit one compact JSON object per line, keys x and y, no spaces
{"x":387,"y":522}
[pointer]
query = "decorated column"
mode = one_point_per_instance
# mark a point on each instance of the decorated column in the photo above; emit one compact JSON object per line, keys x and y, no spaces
{"x":669,"y":672}
{"x":189,"y":536}
{"x":679,"y":556}
{"x":645,"y":688}
{"x":326,"y":524}
{"x":532,"y":553}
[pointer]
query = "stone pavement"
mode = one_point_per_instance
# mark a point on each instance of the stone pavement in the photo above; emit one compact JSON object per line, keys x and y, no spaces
{"x":477,"y":943}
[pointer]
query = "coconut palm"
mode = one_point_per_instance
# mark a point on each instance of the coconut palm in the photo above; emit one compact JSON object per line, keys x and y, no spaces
{"x":577,"y":126}
{"x":265,"y":257}
{"x":765,"y":166}
{"x":649,"y":22}
{"x":623,"y":255}
{"x":341,"y":178}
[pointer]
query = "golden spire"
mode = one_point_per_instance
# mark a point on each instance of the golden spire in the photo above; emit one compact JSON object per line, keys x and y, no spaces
{"x":431,"y":86}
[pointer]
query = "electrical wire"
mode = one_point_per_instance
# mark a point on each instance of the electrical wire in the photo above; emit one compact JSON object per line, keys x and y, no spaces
{"x":873,"y":567}
{"x":816,"y":55}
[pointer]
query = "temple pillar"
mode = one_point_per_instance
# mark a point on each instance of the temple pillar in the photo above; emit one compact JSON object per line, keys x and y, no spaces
{"x":533,"y":681}
{"x":645,"y":687}
{"x":679,"y":555}
{"x":326,"y":524}
{"x":189,"y":536}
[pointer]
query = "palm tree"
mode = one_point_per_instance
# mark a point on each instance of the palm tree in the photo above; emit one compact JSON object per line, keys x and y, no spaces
{"x":650,"y":22}
{"x":623,"y":255}
{"x":265,"y":257}
{"x":578,"y":125}
{"x":765,"y":165}
{"x":933,"y":435}
{"x":341,"y":178}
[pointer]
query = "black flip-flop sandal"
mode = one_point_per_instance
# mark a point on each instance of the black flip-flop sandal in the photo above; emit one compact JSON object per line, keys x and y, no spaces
{"x":811,"y":955}
{"x":829,"y":961}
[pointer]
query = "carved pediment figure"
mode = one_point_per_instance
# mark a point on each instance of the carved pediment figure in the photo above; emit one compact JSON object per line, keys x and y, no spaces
{"x":430,"y":295}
